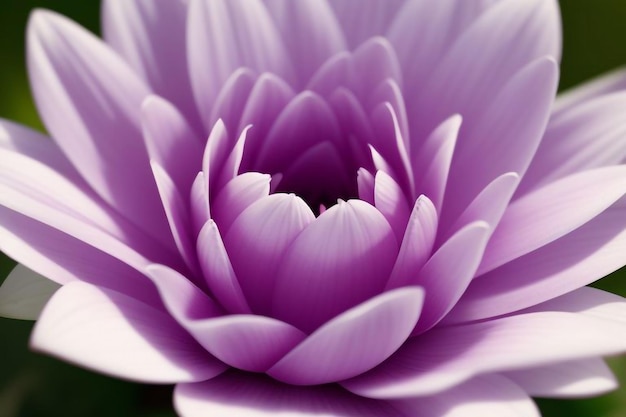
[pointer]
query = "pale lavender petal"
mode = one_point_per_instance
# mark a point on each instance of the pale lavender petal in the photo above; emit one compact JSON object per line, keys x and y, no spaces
{"x":310,"y":31}
{"x":227,"y":337}
{"x":447,"y":356}
{"x":257,"y":241}
{"x":349,"y":243}
{"x":150,"y":35}
{"x":605,"y":84}
{"x":335,"y":350}
{"x":574,"y":379}
{"x":232,"y":163}
{"x":235,"y":394}
{"x":362,"y":20}
{"x":550,"y":208}
{"x":505,"y":137}
{"x":176,"y":210}
{"x":199,"y":202}
{"x":90,"y":101}
{"x":232,"y":98}
{"x":170,"y":140}
{"x":577,"y":259}
{"x":582,"y":137}
{"x":484,"y":396}
{"x":218,"y":270}
{"x":112,"y":333}
{"x":391,"y":202}
{"x":225,"y":35}
{"x":24,"y":293}
{"x":431,"y":162}
{"x":417,"y":243}
{"x":365,"y":183}
{"x":217,"y":148}
{"x":237,"y":195}
{"x":444,"y":280}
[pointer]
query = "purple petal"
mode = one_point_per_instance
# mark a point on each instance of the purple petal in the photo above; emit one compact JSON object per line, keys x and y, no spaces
{"x":310,"y":31}
{"x":225,"y":35}
{"x":24,"y":293}
{"x":605,"y":84}
{"x":448,"y":356}
{"x":550,"y":209}
{"x":365,"y":182}
{"x":341,"y":259}
{"x":417,"y":244}
{"x":218,"y":270}
{"x":150,"y":35}
{"x":235,"y":394}
{"x":232,"y":98}
{"x":391,"y":202}
{"x":111,"y":333}
{"x":335,"y":350}
{"x":90,"y":102}
{"x":257,"y":241}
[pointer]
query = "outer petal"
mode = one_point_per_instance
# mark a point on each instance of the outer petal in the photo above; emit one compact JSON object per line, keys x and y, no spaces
{"x":605,"y":84}
{"x":576,"y":379}
{"x":150,"y":35}
{"x":554,"y":211}
{"x":118,"y":335}
{"x":24,"y":293}
{"x":90,"y":102}
{"x":225,"y":35}
{"x":336,"y":351}
{"x":577,"y":259}
{"x":310,"y":31}
{"x":341,"y":259}
{"x":447,"y":356}
{"x":362,"y":20}
{"x":236,"y":394}
{"x":484,"y":396}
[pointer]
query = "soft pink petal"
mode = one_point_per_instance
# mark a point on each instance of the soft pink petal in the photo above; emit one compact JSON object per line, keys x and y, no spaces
{"x":150,"y":35}
{"x":257,"y":241}
{"x":335,"y":350}
{"x":218,"y":270}
{"x":447,"y":356}
{"x":340,"y":260}
{"x":417,"y":244}
{"x":225,"y":35}
{"x":605,"y":84}
{"x":575,"y":379}
{"x":112,"y":333}
{"x":310,"y":31}
{"x":90,"y":101}
{"x":24,"y":293}
{"x":551,"y":210}
{"x":236,"y":394}
{"x":484,"y":396}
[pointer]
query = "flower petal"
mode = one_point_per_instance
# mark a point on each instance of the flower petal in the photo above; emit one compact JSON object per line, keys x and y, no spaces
{"x":310,"y":31}
{"x":335,"y":350}
{"x":417,"y":244}
{"x":225,"y":35}
{"x":111,"y":333}
{"x":235,"y":394}
{"x":232,"y":98}
{"x":341,"y":259}
{"x":24,"y":293}
{"x":550,"y":209}
{"x":391,"y":202}
{"x":90,"y":101}
{"x":575,"y":379}
{"x":150,"y":35}
{"x":258,"y":240}
{"x":612,"y":82}
{"x":577,"y":259}
{"x":448,"y":356}
{"x":485,"y":396}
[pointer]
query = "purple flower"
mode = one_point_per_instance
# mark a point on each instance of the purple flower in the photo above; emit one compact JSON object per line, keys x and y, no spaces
{"x":344,"y":208}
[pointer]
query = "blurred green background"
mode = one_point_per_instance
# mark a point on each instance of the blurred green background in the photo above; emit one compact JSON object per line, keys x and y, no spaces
{"x":35,"y":386}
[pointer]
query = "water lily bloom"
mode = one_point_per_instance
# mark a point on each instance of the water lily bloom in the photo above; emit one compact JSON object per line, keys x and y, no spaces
{"x":341,"y":208}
